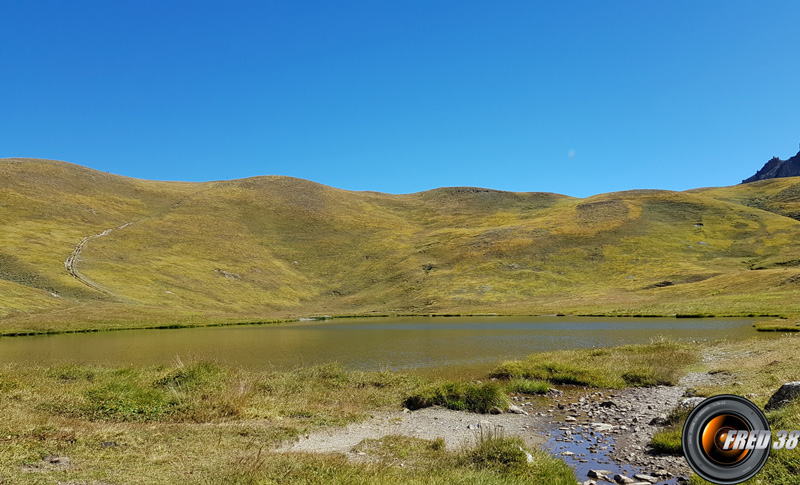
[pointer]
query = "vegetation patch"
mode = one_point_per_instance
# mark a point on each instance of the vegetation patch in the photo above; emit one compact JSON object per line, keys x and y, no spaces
{"x":667,"y":440}
{"x":527,"y":386}
{"x":192,"y":377}
{"x":401,"y":459}
{"x":460,"y":396}
{"x":655,"y":364}
{"x":778,"y":325}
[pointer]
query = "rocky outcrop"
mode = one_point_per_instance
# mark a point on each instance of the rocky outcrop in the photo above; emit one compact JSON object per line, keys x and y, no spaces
{"x":785,"y":395}
{"x":777,"y":168}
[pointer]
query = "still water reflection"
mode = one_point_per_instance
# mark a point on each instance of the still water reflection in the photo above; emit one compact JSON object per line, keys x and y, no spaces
{"x":440,"y":344}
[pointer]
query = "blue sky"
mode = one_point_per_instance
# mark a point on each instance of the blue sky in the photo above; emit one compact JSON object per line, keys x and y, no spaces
{"x":570,"y":97}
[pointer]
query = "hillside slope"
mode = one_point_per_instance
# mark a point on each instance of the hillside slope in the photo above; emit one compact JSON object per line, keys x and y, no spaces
{"x":278,"y":247}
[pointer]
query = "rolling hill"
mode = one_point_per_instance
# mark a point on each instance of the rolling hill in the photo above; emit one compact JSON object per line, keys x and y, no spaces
{"x":82,"y":249}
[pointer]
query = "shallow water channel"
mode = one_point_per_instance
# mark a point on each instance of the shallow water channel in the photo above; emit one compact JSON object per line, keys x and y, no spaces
{"x":442,"y":345}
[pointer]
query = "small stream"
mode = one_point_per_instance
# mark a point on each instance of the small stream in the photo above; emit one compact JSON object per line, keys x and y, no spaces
{"x":583,"y":428}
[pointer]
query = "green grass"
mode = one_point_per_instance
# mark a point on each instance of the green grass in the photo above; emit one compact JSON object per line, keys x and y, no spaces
{"x":754,"y":368}
{"x":779,"y":325}
{"x":526,"y":386}
{"x":205,"y":423}
{"x":460,"y":396}
{"x":400,"y":459}
{"x":667,"y":440}
{"x":629,"y":366}
{"x":273,"y":248}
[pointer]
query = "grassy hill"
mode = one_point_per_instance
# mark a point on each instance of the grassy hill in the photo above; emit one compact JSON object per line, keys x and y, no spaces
{"x":277,"y":247}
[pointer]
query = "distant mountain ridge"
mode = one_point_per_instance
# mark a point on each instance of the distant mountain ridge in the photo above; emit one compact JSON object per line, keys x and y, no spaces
{"x":777,"y":168}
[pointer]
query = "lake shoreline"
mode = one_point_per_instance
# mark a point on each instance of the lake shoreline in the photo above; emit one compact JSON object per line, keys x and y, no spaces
{"x":175,"y":326}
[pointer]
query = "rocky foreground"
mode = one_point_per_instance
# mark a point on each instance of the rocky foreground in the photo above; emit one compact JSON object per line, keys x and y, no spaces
{"x":604,"y":435}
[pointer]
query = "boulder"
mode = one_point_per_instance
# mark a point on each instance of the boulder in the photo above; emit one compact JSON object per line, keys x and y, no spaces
{"x":785,"y":395}
{"x":599,"y":474}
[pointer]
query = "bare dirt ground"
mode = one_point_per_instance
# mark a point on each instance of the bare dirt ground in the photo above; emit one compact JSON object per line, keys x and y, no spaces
{"x":457,"y":428}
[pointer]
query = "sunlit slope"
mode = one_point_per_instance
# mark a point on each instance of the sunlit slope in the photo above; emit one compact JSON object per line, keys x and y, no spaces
{"x":46,"y":207}
{"x":780,"y":195}
{"x":273,"y":247}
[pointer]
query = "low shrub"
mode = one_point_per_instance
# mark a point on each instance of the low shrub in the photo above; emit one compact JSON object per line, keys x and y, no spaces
{"x":461,"y":396}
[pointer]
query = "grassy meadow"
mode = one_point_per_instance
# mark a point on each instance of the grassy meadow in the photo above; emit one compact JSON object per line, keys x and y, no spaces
{"x":273,"y":248}
{"x":82,"y":250}
{"x":203,"y":422}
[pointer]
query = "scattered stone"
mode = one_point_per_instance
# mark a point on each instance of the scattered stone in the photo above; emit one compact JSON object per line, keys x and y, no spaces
{"x":570,"y":419}
{"x":528,"y":456}
{"x":645,"y":478}
{"x":608,"y":404}
{"x":516,"y":410}
{"x":623,"y":479}
{"x":599,"y":474}
{"x":691,"y":402}
{"x":783,"y":396}
{"x":659,"y":420}
{"x":496,"y":410}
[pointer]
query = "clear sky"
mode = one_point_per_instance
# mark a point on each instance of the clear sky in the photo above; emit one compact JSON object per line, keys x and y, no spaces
{"x":570,"y":97}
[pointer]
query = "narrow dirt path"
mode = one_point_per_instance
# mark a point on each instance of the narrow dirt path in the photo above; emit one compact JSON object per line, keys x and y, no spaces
{"x":72,"y":260}
{"x":71,"y":263}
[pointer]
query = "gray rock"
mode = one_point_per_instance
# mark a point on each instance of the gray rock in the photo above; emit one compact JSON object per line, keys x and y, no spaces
{"x":785,"y":395}
{"x":691,"y":402}
{"x":645,"y":478}
{"x":659,"y":420}
{"x":623,"y":479}
{"x":516,"y":410}
{"x":599,"y":474}
{"x":495,"y":410}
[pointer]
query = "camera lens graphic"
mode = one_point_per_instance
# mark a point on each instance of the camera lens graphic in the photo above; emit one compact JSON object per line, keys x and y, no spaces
{"x":714,"y":435}
{"x":707,"y":430}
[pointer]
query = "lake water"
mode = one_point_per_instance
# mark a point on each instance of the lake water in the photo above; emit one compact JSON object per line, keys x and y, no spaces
{"x":445,"y":345}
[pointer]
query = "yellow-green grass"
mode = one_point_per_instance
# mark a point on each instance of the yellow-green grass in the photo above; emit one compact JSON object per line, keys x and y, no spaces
{"x":460,"y":396}
{"x":755,"y":368}
{"x":166,"y":424}
{"x":205,"y":423}
{"x":778,"y":325}
{"x":659,"y":363}
{"x":271,"y":248}
{"x":202,"y":422}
